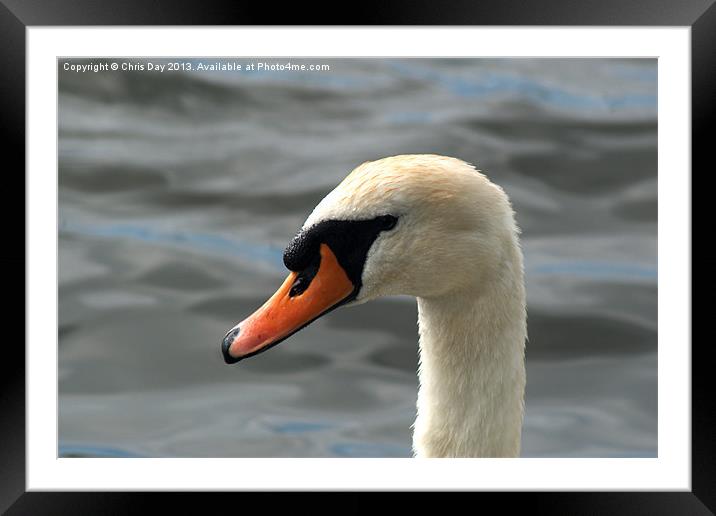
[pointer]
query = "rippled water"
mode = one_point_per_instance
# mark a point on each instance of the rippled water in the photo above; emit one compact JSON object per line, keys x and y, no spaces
{"x":179,"y":190}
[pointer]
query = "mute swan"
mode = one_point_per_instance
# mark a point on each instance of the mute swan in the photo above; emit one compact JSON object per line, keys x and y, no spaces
{"x":435,"y":228}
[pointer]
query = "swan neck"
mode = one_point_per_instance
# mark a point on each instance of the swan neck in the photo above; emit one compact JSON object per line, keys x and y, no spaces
{"x":472,"y":373}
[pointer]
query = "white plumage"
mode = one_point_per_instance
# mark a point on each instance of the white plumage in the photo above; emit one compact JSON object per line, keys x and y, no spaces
{"x":456,"y":250}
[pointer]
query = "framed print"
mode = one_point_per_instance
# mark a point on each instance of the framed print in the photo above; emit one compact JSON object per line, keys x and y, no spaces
{"x":175,"y":175}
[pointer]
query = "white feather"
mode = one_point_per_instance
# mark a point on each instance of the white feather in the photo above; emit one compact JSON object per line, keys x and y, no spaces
{"x":456,"y":249}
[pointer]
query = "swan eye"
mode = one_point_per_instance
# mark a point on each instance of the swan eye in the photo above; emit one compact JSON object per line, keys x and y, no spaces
{"x":387,"y":222}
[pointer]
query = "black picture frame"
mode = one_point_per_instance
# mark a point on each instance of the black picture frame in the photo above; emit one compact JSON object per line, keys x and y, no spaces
{"x":17,"y":15}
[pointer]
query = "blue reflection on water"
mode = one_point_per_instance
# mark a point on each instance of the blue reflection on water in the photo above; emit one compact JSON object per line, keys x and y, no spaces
{"x":409,"y":117}
{"x":596,"y":269}
{"x":207,"y":242}
{"x":491,"y":83}
{"x":358,"y":449}
{"x":85,"y":450}
{"x":299,"y":427}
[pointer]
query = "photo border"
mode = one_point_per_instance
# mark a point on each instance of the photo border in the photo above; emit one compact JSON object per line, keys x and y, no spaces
{"x":699,"y":15}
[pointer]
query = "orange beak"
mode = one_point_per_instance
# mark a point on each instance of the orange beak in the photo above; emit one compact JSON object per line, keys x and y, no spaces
{"x":284,"y":314}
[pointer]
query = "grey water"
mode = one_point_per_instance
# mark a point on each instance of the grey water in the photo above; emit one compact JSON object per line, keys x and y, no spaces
{"x":178,"y":191}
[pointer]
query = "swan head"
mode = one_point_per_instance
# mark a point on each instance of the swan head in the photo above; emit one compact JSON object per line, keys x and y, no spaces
{"x":419,"y":225}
